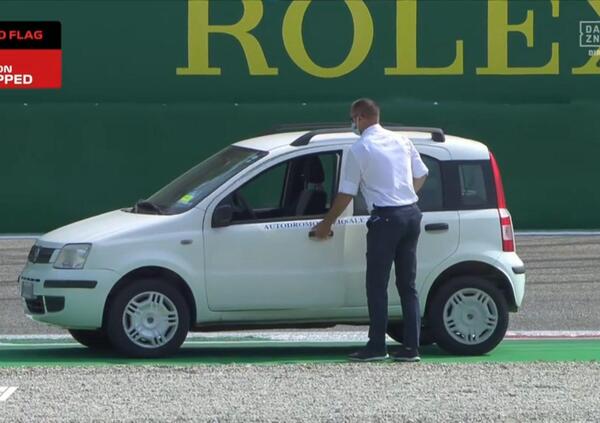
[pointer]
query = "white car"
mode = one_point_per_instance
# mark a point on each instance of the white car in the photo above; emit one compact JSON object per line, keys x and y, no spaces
{"x":226,"y":246}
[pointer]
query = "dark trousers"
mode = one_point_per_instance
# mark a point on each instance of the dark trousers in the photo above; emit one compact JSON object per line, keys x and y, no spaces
{"x":392,"y":238}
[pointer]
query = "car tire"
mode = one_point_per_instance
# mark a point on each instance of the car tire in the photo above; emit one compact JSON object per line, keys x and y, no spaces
{"x":148,"y":319}
{"x":468,"y":316}
{"x":396,"y":331}
{"x":93,"y":339}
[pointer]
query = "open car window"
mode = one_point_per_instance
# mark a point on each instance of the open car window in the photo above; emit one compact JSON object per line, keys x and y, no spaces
{"x":302,"y":187}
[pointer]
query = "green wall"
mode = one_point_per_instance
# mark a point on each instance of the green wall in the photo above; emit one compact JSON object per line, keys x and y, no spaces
{"x":125,"y":123}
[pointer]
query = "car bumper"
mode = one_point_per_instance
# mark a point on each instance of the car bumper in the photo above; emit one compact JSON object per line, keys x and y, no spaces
{"x":513,"y":267}
{"x":71,"y":299}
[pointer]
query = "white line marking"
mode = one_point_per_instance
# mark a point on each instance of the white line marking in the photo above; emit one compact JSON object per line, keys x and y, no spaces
{"x":36,"y":336}
{"x":45,"y":344}
{"x":280,"y":336}
{"x":20,"y":236}
{"x":540,"y":334}
{"x":6,"y":392}
{"x":557,"y":233}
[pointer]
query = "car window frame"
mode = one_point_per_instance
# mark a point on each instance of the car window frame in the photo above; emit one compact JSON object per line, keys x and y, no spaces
{"x":338,"y":150}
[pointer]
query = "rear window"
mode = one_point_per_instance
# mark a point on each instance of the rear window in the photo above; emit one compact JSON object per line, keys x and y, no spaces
{"x":476,"y":189}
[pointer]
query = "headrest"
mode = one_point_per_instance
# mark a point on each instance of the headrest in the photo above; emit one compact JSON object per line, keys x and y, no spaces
{"x":316,"y":174}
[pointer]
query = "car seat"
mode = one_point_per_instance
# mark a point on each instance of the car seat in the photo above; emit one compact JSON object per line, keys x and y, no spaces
{"x":313,"y":198}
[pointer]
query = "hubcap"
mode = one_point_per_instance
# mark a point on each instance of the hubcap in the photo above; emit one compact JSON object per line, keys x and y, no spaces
{"x":150,"y":319}
{"x":470,"y":316}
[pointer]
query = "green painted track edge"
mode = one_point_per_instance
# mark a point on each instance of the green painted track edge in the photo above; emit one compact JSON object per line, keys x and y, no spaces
{"x":270,"y":353}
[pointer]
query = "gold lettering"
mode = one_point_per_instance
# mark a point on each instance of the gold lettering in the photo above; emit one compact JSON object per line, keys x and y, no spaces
{"x":199,"y":30}
{"x":592,"y":67}
{"x":406,"y":45}
{"x":498,"y":30}
{"x":294,"y":42}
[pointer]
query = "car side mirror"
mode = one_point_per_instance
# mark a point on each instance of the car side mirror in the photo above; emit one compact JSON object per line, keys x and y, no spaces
{"x":222,"y":216}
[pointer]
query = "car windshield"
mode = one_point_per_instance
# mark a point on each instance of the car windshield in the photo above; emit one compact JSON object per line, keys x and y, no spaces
{"x":193,"y":186}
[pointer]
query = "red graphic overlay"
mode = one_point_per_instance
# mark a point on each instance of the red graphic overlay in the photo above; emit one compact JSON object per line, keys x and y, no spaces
{"x":30,"y":69}
{"x":30,"y":55}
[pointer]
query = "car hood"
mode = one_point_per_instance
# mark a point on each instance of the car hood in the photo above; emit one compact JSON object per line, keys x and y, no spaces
{"x":102,"y":226}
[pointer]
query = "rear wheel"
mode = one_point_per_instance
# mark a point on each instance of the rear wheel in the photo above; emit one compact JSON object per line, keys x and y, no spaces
{"x":148,"y":318}
{"x":93,"y":339}
{"x":396,"y":331}
{"x":468,"y":316}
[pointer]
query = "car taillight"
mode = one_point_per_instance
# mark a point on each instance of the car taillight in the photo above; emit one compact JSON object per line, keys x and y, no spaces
{"x":506,"y":228}
{"x":508,"y":236}
{"x":498,"y":182}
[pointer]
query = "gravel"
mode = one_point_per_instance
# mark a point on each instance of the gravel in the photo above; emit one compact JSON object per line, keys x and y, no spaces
{"x":328,"y":392}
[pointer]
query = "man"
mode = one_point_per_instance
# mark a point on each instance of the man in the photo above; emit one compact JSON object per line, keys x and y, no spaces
{"x":389,"y":172}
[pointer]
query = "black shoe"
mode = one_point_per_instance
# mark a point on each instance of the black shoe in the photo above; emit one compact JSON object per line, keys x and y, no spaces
{"x":366,"y":354}
{"x":406,"y":354}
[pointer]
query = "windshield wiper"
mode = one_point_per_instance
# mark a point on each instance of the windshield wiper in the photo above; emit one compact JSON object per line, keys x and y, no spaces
{"x":145,"y":204}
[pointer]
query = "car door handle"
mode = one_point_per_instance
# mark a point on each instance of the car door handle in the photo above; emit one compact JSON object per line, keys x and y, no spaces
{"x":436,"y":227}
{"x":311,"y":234}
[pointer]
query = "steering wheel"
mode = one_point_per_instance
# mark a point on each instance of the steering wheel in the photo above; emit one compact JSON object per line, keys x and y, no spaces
{"x":239,"y":200}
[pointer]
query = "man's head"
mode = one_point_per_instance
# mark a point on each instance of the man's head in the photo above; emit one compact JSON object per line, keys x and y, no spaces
{"x":364,"y":112}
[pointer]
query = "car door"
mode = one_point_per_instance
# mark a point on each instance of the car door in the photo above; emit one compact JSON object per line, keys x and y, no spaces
{"x":265,"y":260}
{"x":438,"y":240}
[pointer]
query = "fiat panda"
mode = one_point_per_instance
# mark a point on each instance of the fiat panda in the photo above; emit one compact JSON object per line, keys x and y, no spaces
{"x":226,"y":245}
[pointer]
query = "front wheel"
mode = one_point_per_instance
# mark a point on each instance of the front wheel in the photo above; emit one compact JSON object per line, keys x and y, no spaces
{"x":468,"y":316}
{"x":147,"y":319}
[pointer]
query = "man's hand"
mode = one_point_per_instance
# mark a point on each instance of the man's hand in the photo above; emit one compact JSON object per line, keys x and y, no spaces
{"x":321,"y":230}
{"x":340,"y":203}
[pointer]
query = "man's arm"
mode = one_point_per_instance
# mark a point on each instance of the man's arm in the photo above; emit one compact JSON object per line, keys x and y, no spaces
{"x":418,"y":168}
{"x":418,"y":183}
{"x":348,"y":188}
{"x":340,"y":203}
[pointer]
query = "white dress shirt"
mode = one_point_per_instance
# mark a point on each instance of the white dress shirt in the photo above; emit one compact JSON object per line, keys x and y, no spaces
{"x":382,"y":164}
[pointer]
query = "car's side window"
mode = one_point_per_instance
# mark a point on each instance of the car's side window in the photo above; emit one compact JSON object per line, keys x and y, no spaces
{"x":266,"y":190}
{"x":330,"y":164}
{"x":475,"y":181}
{"x":302,"y":187}
{"x":431,"y":196}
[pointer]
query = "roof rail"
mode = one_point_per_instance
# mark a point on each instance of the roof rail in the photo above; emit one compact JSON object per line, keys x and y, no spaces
{"x":437,"y":134}
{"x":305,"y":139}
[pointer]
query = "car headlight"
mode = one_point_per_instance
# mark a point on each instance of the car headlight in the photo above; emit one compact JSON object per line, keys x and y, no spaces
{"x":72,"y":256}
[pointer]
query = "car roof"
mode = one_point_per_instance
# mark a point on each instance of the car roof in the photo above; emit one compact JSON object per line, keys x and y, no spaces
{"x":459,"y":148}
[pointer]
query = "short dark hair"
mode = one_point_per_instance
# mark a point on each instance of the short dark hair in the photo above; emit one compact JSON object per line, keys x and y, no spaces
{"x":366,"y":107}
